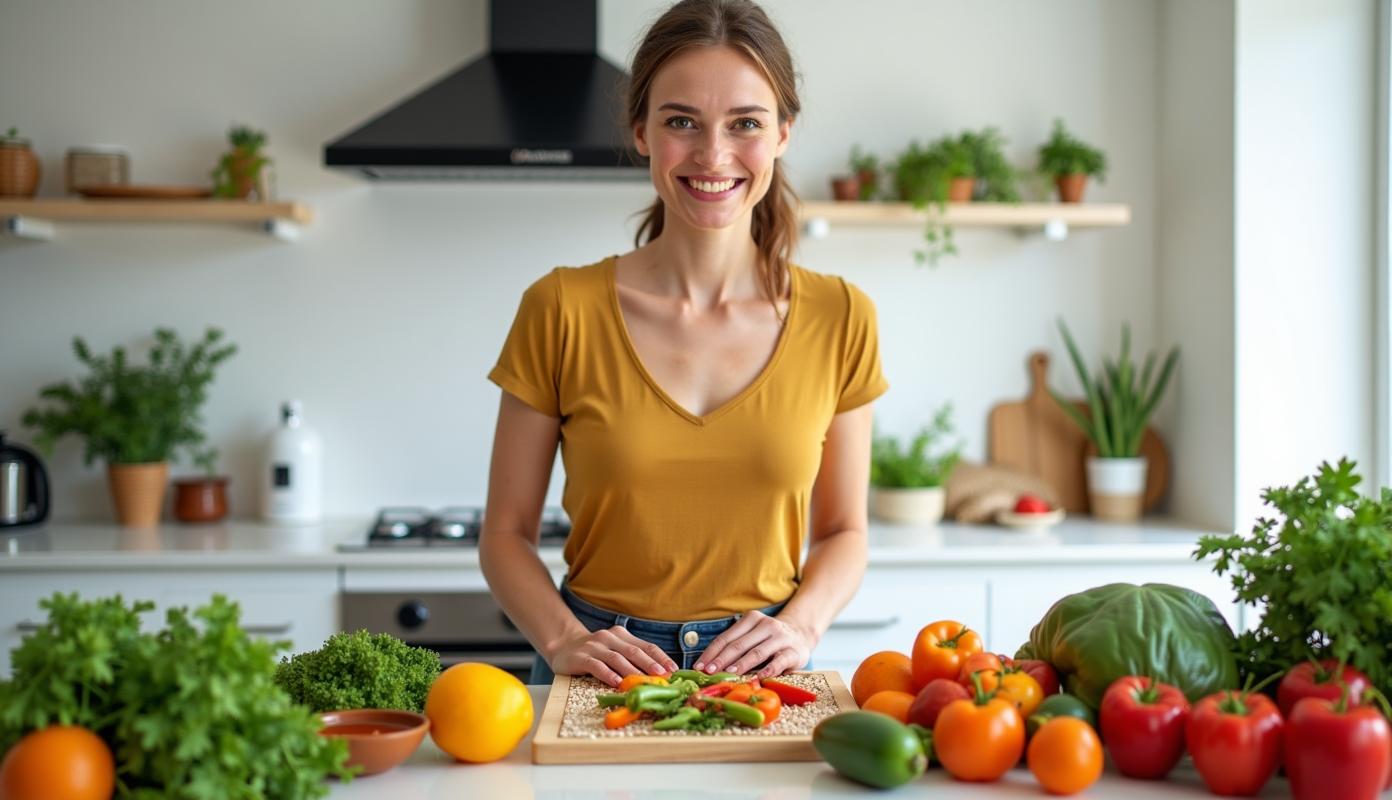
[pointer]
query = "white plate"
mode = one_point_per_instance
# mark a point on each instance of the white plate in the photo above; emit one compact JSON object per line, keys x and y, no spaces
{"x":1026,"y":523}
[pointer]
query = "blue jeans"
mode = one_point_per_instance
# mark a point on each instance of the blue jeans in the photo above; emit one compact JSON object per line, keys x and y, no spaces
{"x":672,"y":637}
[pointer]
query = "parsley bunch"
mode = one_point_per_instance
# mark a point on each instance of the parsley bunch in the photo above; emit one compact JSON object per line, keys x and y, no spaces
{"x":189,"y":712}
{"x":360,"y":670}
{"x":1322,"y":568}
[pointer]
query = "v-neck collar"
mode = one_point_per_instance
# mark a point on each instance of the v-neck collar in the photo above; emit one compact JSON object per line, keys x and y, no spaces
{"x":611,"y":272}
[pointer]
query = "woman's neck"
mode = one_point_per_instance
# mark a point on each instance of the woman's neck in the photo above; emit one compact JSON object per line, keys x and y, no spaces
{"x":706,"y":268}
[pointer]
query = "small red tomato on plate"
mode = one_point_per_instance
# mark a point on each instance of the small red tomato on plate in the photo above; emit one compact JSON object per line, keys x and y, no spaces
{"x":1030,"y":504}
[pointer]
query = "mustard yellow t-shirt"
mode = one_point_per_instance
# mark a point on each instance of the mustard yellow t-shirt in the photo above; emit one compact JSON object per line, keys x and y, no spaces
{"x":674,"y":516}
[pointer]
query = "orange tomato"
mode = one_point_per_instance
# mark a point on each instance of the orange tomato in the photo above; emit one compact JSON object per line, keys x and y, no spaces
{"x":478,"y":712}
{"x":979,"y":739}
{"x":1065,"y":755}
{"x":631,"y":681}
{"x":890,"y":702}
{"x":939,"y":651}
{"x":987,"y":664}
{"x":763,"y":699}
{"x":883,"y":670}
{"x":1022,"y":691}
{"x":61,"y":762}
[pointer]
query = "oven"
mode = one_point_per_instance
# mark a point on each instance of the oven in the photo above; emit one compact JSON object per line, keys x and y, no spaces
{"x":459,"y":625}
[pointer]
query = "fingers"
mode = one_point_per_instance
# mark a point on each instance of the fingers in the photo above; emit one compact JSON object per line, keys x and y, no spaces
{"x":644,"y":655}
{"x":613,"y":654}
{"x":731,"y":646}
{"x":783,"y":661}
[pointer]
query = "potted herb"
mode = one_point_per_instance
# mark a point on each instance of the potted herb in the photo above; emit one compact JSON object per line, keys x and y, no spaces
{"x":1070,"y":162}
{"x":995,"y":176}
{"x":19,"y":167}
{"x":238,"y":173}
{"x":866,"y":167}
{"x":929,"y":178}
{"x":845,"y":188}
{"x":201,"y":498}
{"x":1119,"y":404}
{"x":134,"y":417}
{"x":906,"y":484}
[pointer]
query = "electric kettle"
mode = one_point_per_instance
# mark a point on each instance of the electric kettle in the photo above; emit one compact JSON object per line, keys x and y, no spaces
{"x":23,"y":487}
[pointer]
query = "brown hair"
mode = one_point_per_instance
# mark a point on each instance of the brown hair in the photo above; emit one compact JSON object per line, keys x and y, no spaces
{"x":744,"y":26}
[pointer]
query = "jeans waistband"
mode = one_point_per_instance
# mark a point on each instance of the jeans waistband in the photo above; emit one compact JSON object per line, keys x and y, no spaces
{"x":655,"y":626}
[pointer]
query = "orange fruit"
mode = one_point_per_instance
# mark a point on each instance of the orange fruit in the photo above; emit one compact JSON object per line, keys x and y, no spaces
{"x":891,"y":702}
{"x":61,"y":762}
{"x":1065,"y":755}
{"x":478,"y":712}
{"x":881,"y":671}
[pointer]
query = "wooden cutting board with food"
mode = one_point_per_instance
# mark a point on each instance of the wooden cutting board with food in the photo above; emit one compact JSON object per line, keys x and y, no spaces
{"x":689,"y":717}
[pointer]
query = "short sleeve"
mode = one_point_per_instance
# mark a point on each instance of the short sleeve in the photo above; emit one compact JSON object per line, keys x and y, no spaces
{"x":529,"y":365}
{"x":862,"y":380}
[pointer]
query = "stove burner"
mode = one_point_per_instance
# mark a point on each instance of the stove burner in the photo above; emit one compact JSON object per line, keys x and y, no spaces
{"x":454,"y":526}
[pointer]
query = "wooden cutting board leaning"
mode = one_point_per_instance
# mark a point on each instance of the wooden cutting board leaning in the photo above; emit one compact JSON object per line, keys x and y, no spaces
{"x":1035,"y":436}
{"x":571,"y":729}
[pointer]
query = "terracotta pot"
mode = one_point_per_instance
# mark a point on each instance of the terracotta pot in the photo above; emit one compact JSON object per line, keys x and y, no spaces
{"x":1070,"y":187}
{"x":243,"y":173}
{"x":913,"y":506}
{"x":960,"y":190}
{"x":869,"y":183}
{"x":1116,"y":488}
{"x":200,"y":499}
{"x":845,"y":188}
{"x":19,"y":169}
{"x":138,"y":492}
{"x":378,"y":739}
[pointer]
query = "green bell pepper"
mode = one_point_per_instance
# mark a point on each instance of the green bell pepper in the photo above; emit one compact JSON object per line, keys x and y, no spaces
{"x":873,"y":748}
{"x":1169,"y":633}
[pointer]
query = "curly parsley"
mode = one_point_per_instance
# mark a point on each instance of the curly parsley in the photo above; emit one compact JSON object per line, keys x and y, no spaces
{"x":360,"y":670}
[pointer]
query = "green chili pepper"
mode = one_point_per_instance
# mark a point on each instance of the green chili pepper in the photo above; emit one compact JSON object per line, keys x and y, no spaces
{"x":702,"y":679}
{"x":739,"y":712}
{"x":611,"y":699}
{"x":649,"y":696}
{"x":679,"y":721}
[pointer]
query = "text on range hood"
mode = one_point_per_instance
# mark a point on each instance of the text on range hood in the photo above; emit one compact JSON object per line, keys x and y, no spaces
{"x":542,"y":103}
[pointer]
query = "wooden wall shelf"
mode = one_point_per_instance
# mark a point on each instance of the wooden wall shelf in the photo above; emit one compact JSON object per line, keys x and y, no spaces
{"x":34,"y":219}
{"x":1053,"y":219}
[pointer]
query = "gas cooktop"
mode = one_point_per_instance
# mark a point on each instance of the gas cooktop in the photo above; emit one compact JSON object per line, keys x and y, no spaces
{"x":454,"y":526}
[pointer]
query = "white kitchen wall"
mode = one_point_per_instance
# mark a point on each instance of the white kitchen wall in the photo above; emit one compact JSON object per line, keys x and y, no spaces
{"x":385,"y":318}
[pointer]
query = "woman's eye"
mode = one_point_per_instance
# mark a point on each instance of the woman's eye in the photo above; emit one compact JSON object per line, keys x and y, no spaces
{"x":748,"y":124}
{"x":682,"y":123}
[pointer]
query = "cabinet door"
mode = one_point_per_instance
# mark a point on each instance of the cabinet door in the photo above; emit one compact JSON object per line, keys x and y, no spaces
{"x":1021,"y":596}
{"x":299,"y":606}
{"x":890,"y":608}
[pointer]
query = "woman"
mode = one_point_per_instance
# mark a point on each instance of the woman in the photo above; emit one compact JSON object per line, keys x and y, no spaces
{"x":707,"y":395}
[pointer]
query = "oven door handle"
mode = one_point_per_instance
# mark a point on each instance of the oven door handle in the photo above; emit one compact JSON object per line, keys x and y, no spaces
{"x":503,"y":661}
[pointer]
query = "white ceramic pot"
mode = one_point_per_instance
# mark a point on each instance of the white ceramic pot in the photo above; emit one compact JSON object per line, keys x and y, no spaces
{"x":1116,"y":488}
{"x":919,"y":506}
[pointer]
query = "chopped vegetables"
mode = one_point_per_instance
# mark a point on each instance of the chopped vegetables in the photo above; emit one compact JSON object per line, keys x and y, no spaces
{"x":693,"y":701}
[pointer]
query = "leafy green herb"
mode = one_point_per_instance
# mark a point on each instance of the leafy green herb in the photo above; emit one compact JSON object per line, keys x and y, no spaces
{"x":917,"y":466}
{"x":1322,"y":569}
{"x":1120,"y":399}
{"x":1065,"y":154}
{"x":189,"y":712}
{"x":360,"y":670}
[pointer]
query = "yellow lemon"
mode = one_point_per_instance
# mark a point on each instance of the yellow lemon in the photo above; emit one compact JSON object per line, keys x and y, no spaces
{"x":478,"y":712}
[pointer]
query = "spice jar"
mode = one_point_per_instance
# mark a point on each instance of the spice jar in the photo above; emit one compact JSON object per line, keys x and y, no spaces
{"x":97,"y":165}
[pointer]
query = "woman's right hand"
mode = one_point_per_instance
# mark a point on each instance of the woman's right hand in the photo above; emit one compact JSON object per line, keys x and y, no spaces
{"x":609,"y":655}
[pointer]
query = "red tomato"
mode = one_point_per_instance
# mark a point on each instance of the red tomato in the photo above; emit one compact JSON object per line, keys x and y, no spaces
{"x":1323,"y":680}
{"x":1235,"y":739}
{"x":1336,"y":751}
{"x":933,"y":698}
{"x":1030,"y":504}
{"x":1142,"y":723}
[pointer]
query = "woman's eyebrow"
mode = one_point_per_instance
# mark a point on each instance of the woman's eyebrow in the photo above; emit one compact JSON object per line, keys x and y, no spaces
{"x":685,"y":109}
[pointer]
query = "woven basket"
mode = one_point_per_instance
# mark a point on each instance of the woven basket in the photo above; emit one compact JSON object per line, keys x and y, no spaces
{"x":19,"y":169}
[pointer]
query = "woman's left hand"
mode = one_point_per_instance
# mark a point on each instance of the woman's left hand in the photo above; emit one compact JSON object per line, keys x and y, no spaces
{"x":757,"y":638}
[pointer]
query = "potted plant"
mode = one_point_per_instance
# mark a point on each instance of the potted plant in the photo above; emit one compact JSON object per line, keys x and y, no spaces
{"x":906,"y":485}
{"x":930,"y":178}
{"x":1119,"y":404}
{"x":201,"y":498}
{"x":995,"y":176}
{"x":134,"y":417}
{"x":1070,"y":162}
{"x":866,"y":167}
{"x":238,"y":173}
{"x":19,"y":167}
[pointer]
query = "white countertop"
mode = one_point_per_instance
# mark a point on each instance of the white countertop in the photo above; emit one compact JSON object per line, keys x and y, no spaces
{"x":250,"y":544}
{"x":430,"y":775}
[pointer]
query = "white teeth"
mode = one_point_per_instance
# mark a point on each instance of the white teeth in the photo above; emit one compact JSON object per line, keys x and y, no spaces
{"x":713,"y":188}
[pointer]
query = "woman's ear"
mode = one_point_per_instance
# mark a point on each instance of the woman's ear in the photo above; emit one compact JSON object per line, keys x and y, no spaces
{"x":640,"y":140}
{"x":785,"y":131}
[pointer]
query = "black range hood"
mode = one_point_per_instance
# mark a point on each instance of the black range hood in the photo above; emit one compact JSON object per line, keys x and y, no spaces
{"x":542,"y":103}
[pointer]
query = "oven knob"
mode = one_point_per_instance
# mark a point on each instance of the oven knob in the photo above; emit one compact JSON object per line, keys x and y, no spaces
{"x":413,"y":614}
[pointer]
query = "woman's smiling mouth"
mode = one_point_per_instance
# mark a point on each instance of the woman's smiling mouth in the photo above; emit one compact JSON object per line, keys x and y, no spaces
{"x":706,"y":188}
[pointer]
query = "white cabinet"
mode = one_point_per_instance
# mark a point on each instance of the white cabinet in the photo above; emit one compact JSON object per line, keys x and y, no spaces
{"x":295,"y":605}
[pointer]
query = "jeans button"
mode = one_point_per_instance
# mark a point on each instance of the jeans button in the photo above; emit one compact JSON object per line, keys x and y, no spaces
{"x":690,"y":638}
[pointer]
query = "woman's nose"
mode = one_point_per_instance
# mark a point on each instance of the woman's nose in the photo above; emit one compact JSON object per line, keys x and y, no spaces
{"x":711,"y":148}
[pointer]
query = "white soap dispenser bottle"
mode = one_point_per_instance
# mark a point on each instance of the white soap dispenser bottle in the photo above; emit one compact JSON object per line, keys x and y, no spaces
{"x":291,"y":477}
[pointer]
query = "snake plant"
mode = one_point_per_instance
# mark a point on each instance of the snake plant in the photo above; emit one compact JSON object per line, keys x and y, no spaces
{"x":1121,"y":400}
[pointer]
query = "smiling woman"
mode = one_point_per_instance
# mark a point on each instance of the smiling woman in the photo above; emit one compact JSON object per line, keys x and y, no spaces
{"x":711,"y":399}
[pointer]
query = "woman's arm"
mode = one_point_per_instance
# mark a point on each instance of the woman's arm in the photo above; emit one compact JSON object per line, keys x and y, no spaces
{"x":524,"y":448}
{"x":835,"y":561}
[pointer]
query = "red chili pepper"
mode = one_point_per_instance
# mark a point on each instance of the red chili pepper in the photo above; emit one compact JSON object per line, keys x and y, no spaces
{"x":1324,"y":680}
{"x":1041,"y":671}
{"x":1142,"y":722}
{"x":1334,"y":750}
{"x":790,"y":695}
{"x":1235,"y":739}
{"x":716,"y":690}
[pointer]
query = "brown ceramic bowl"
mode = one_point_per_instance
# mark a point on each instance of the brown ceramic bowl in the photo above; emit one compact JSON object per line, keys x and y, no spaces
{"x":378,"y":739}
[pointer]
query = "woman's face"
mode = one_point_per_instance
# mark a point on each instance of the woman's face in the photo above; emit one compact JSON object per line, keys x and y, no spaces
{"x":712,"y":134}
